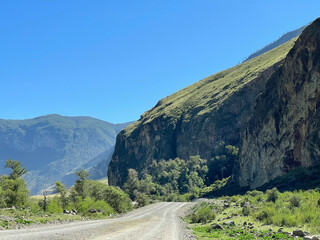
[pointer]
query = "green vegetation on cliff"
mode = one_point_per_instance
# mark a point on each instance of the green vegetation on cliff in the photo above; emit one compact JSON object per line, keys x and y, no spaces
{"x":182,"y":180}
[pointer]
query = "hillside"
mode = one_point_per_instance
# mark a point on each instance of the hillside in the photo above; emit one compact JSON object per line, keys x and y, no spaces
{"x":283,"y":39}
{"x":196,"y":119}
{"x":52,"y":147}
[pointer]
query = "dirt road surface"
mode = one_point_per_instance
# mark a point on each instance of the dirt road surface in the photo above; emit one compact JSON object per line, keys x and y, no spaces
{"x":157,"y":221}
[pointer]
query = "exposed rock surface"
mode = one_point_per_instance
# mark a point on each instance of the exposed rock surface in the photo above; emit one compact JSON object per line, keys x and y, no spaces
{"x":195,"y":120}
{"x":268,"y":107}
{"x":284,"y":130}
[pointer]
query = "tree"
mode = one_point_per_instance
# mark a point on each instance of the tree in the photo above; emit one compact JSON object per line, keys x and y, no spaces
{"x":83,"y":174}
{"x":17,"y":170}
{"x":132,"y":183}
{"x":80,"y":188}
{"x":14,"y":190}
{"x":61,"y":189}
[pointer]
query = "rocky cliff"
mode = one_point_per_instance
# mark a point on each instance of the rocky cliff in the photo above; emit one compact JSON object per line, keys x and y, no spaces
{"x":284,"y":130}
{"x":195,"y":120}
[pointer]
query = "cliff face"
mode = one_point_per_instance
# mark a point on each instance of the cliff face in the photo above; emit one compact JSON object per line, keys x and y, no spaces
{"x":284,"y":130}
{"x":196,"y":119}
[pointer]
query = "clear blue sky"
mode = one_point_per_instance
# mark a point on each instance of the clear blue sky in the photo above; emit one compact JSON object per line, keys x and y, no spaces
{"x":114,"y":59}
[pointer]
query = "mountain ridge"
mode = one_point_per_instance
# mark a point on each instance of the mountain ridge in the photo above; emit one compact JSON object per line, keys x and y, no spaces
{"x":53,"y":146}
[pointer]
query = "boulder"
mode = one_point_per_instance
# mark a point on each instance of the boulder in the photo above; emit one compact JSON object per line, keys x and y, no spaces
{"x":229,"y":223}
{"x":92,"y":210}
{"x":215,"y":226}
{"x":298,"y":233}
{"x":307,"y":238}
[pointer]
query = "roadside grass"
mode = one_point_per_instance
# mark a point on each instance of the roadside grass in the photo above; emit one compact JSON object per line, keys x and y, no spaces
{"x":255,"y":212}
{"x":12,"y":218}
{"x":32,"y":214}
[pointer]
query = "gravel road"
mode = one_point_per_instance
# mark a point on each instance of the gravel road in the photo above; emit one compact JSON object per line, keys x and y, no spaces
{"x":156,"y":221}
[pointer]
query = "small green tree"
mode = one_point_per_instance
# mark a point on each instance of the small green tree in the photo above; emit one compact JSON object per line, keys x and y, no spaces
{"x":45,"y":202}
{"x":83,"y":174}
{"x":17,"y":169}
{"x":80,"y":186}
{"x":61,"y":189}
{"x":272,"y":195}
{"x":132,"y":183}
{"x":14,"y":190}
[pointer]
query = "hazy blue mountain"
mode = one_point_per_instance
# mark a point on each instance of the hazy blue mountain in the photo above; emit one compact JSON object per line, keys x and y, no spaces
{"x":53,"y":147}
{"x":283,"y":39}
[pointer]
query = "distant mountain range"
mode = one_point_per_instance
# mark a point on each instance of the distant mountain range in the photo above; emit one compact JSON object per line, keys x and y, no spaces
{"x":53,"y":147}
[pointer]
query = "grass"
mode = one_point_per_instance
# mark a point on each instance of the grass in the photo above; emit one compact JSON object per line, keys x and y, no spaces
{"x":103,"y":180}
{"x":211,"y":92}
{"x":33,"y":214}
{"x":262,"y":211}
{"x":204,"y":232}
{"x":13,"y":218}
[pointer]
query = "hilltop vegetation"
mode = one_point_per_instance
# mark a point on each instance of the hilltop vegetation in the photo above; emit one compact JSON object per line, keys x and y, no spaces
{"x":209,"y":93}
{"x":283,"y":39}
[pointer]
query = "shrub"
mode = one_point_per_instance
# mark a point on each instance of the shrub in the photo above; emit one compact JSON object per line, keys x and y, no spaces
{"x":54,"y":206}
{"x":246,"y":211}
{"x":264,"y":216}
{"x":142,"y":200}
{"x":254,"y":193}
{"x":117,"y":199}
{"x":88,"y":203}
{"x":172,"y":197}
{"x":203,"y":214}
{"x":272,"y":195}
{"x":295,"y":201}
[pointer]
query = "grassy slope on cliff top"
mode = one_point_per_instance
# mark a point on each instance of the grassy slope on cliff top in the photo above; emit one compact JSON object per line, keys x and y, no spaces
{"x":210,"y":92}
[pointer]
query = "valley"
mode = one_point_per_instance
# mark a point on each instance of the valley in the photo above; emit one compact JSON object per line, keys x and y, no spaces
{"x":235,"y":155}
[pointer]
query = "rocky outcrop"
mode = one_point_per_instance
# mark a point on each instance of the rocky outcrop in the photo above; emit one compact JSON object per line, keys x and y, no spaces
{"x":195,"y":120}
{"x":284,"y":130}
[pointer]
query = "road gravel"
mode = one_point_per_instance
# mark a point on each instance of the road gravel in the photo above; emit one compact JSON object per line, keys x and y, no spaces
{"x":157,"y":221}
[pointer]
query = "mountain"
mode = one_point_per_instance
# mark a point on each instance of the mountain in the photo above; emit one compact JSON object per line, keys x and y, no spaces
{"x":284,"y":130}
{"x":266,"y":106}
{"x":196,"y":119}
{"x":283,"y":39}
{"x":53,"y":147}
